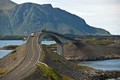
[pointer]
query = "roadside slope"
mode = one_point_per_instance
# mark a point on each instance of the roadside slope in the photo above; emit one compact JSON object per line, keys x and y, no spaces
{"x":13,"y":59}
{"x":57,"y":67}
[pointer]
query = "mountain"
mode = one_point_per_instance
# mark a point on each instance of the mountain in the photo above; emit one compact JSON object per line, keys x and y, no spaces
{"x":29,"y":17}
{"x":6,"y":4}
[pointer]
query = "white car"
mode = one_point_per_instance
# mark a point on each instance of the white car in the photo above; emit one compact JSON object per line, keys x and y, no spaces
{"x":32,"y":34}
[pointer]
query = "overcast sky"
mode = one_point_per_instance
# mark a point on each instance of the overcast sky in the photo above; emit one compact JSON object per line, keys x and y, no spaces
{"x":98,"y":13}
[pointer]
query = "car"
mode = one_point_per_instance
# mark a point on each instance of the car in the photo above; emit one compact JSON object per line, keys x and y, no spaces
{"x":43,"y":30}
{"x":32,"y":34}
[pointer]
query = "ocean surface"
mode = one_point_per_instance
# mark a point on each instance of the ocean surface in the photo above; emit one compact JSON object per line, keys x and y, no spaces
{"x":4,"y":52}
{"x":48,"y":42}
{"x":6,"y":43}
{"x":109,"y":65}
{"x":11,"y":42}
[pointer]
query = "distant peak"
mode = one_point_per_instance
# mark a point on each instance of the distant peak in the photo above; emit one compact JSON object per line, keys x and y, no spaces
{"x":5,"y":1}
{"x":6,"y":4}
{"x":47,"y":5}
{"x":43,"y":5}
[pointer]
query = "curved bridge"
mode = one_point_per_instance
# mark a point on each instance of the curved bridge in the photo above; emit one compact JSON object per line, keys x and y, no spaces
{"x":59,"y":39}
{"x":33,"y":54}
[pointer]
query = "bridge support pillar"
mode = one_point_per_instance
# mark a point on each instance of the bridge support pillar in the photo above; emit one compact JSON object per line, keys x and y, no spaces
{"x":60,"y":49}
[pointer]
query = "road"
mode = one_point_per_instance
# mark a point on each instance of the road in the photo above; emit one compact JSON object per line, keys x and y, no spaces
{"x":31,"y":59}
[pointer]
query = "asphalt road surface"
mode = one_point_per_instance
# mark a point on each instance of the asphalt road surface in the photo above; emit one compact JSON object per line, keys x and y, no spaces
{"x":31,"y":59}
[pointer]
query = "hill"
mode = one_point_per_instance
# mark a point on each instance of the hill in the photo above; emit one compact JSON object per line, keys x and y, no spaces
{"x":29,"y":17}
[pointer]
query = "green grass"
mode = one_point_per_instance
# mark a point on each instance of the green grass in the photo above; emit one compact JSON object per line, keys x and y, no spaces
{"x":66,"y":78}
{"x":48,"y":72}
{"x":52,"y":45}
{"x":13,"y":52}
{"x":84,"y":67}
{"x":2,"y":71}
{"x":14,"y":58}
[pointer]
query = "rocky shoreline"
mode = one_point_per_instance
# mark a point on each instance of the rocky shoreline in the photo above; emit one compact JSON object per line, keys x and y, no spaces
{"x":101,"y":75}
{"x":107,"y":75}
{"x":9,"y":47}
{"x":92,"y":59}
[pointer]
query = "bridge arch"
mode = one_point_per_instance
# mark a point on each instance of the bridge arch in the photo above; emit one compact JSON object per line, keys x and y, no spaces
{"x":57,"y":40}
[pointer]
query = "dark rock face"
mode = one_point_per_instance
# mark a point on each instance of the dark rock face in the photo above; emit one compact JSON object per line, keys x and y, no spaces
{"x":28,"y":17}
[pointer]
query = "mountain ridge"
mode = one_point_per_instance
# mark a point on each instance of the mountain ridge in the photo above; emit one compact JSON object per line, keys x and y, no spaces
{"x":29,"y":17}
{"x":7,"y":4}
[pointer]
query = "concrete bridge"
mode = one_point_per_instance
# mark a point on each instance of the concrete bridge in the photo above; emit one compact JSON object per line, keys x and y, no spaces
{"x":60,"y":39}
